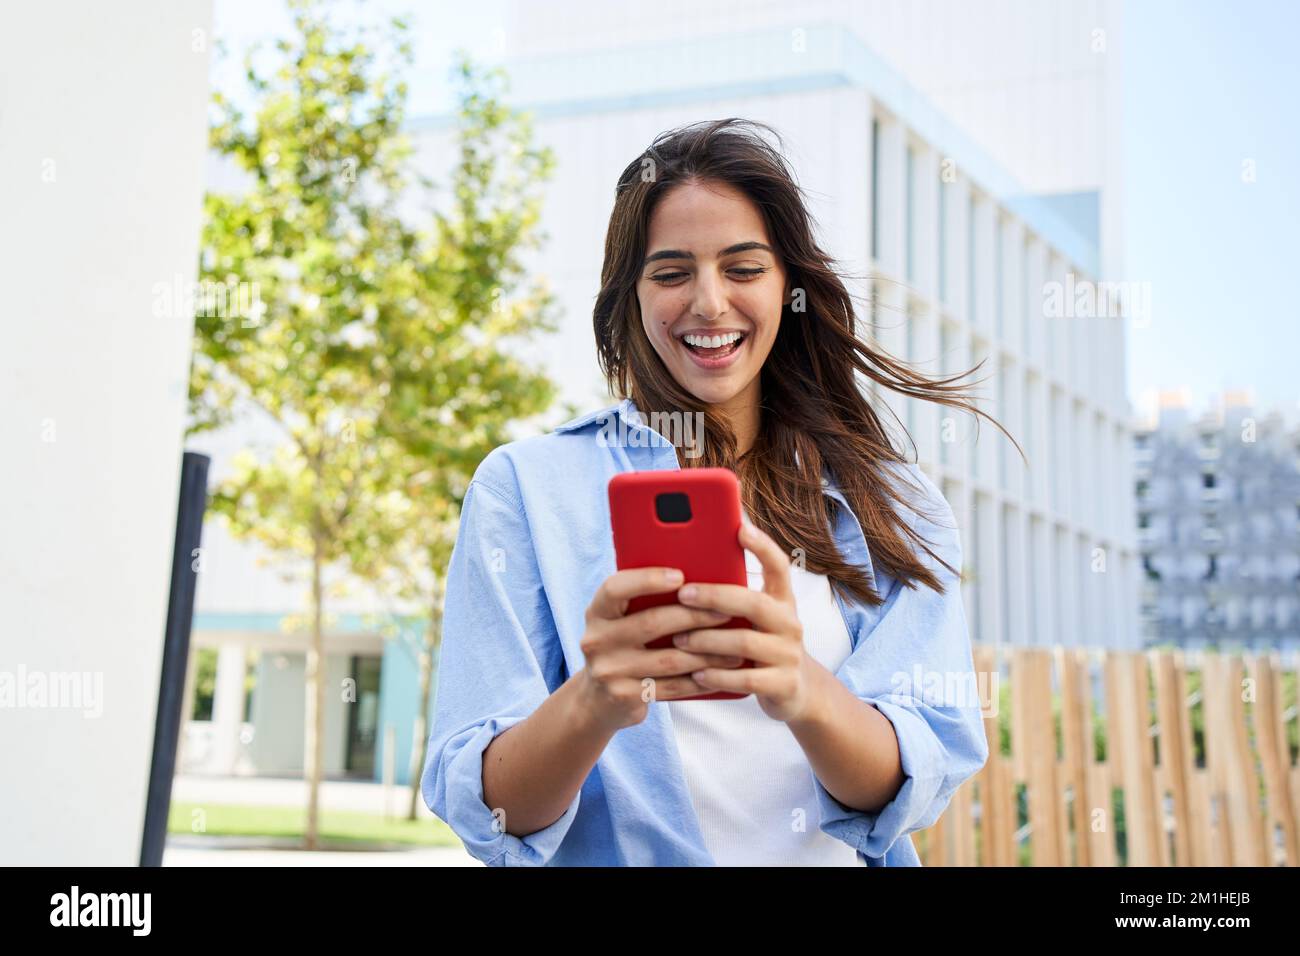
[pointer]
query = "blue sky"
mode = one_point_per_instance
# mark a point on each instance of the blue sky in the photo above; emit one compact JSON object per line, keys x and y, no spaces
{"x":1208,"y":86}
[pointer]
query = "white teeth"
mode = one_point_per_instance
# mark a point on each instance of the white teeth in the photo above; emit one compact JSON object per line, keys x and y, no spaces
{"x":711,"y":342}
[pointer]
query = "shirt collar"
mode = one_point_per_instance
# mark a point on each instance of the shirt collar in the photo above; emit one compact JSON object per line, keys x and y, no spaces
{"x":627,"y":411}
{"x":574,"y":424}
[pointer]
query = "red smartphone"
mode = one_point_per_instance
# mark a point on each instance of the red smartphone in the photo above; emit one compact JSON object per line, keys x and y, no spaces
{"x":686,"y":519}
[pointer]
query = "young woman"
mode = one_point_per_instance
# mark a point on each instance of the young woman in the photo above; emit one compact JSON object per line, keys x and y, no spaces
{"x":558,"y":738}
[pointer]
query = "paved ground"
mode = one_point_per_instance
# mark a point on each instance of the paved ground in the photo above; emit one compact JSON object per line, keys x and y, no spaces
{"x":184,"y":850}
{"x":189,"y":856}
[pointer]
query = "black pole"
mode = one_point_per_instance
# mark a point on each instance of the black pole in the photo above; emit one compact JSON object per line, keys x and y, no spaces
{"x":176,"y":653}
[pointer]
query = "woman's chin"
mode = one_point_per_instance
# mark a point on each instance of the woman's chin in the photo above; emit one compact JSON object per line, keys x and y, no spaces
{"x":712,"y":392}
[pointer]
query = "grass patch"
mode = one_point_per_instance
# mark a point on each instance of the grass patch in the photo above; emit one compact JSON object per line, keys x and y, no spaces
{"x":336,"y":826}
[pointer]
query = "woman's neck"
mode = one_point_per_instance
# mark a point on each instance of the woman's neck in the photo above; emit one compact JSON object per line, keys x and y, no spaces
{"x":742,"y":413}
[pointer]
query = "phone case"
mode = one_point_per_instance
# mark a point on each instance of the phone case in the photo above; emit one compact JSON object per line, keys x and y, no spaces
{"x":704,"y":547}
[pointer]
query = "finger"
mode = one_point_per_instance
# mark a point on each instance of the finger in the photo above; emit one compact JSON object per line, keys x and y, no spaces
{"x":637,"y":662}
{"x":761,"y":609}
{"x":766,"y":681}
{"x":610,"y":599}
{"x":675,"y":688}
{"x":763,"y":649}
{"x":660,"y":662}
{"x":639,"y":629}
{"x":776,"y":566}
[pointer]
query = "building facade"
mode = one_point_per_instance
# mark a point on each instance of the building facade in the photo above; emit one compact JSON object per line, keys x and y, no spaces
{"x":1218,"y":499}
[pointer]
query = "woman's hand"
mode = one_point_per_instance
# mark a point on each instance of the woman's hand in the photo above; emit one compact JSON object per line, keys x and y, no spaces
{"x":622,"y":677}
{"x":782,"y":677}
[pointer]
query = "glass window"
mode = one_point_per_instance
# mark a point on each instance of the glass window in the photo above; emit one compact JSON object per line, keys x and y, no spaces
{"x":943,"y":239}
{"x":997,"y":278}
{"x":1024,"y":298}
{"x":909,"y":224}
{"x":970,"y":260}
{"x":875,"y":189}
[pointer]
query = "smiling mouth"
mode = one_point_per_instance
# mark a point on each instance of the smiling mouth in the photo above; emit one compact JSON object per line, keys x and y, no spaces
{"x":721,"y":351}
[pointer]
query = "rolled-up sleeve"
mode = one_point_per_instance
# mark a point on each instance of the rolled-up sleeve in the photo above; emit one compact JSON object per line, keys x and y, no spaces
{"x":916,"y":667}
{"x":500,"y":658}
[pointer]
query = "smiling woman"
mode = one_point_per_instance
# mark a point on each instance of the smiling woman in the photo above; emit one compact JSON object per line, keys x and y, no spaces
{"x":717,"y":306}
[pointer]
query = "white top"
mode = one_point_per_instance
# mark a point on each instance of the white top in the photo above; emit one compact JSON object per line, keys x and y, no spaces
{"x":750,"y":782}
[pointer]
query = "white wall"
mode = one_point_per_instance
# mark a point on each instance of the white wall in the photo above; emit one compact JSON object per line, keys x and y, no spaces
{"x":102,"y":141}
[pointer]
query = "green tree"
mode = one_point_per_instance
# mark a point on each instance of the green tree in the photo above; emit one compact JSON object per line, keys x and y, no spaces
{"x":456,"y":384}
{"x":352,"y":308}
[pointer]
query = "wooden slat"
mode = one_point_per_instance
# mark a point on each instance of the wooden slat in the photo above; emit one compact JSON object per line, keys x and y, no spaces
{"x":1041,"y":778}
{"x":1173,"y":776}
{"x":997,"y":824}
{"x":962,"y":834}
{"x":1174,"y":751}
{"x":1242,"y":783}
{"x":1274,"y":758}
{"x":936,"y":850}
{"x":1130,"y":725}
{"x":1019,"y":748}
{"x":1076,"y":743}
{"x":1218,"y":757}
{"x":1101,"y":825}
{"x":1200,"y":833}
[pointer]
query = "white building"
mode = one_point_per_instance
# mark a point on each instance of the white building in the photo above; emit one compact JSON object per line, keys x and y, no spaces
{"x":933,"y":201}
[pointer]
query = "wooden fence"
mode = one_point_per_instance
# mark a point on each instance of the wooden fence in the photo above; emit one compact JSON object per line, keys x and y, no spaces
{"x":1158,"y":758}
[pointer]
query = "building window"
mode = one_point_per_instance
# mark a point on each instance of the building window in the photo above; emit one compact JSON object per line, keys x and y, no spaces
{"x":971,"y":298}
{"x":1002,"y":450}
{"x":945,"y":363}
{"x":875,"y":189}
{"x":910,"y":356}
{"x":943,"y":240}
{"x":1024,"y":298}
{"x":910,"y":222}
{"x":997,"y":278}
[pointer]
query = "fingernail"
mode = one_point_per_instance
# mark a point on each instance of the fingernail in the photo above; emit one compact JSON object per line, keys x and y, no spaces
{"x":680,"y":640}
{"x":689,"y":593}
{"x":673,"y":576}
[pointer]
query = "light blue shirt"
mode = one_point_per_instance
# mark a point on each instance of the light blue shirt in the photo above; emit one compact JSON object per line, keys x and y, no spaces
{"x":533,"y":546}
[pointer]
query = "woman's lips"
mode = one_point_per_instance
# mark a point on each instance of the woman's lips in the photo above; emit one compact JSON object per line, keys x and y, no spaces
{"x":711,"y":363}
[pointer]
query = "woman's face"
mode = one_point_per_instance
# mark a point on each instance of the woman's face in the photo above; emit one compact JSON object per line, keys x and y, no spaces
{"x":709,"y":274}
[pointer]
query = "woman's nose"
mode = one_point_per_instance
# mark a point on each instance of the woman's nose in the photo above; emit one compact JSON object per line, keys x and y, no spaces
{"x":708,"y":301}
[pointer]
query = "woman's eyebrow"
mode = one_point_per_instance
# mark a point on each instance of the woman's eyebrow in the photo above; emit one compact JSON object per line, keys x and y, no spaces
{"x":729,"y":251}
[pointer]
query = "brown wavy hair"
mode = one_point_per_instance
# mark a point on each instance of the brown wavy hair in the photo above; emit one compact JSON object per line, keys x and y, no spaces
{"x":811,"y":401}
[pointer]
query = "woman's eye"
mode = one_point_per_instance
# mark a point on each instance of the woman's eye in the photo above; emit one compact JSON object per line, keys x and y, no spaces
{"x":741,"y":273}
{"x":668,"y":278}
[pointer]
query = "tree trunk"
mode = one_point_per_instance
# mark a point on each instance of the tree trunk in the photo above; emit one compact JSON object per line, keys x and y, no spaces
{"x":314,"y":722}
{"x":419,"y":739}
